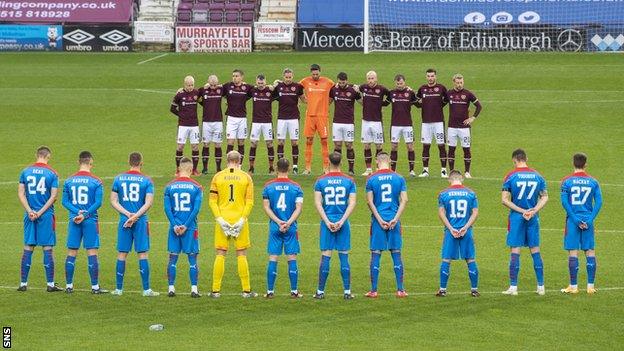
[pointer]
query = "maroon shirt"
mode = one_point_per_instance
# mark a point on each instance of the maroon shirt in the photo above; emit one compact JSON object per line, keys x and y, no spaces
{"x":211,"y":101}
{"x":262,"y":111}
{"x":402,"y":101}
{"x":288,"y":97}
{"x":373,"y":99}
{"x":432,"y":101}
{"x":344,"y":101}
{"x":184,"y":105}
{"x":236,"y":97}
{"x":459,"y":103}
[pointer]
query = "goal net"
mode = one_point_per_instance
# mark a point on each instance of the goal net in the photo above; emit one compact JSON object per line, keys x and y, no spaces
{"x":494,"y":25}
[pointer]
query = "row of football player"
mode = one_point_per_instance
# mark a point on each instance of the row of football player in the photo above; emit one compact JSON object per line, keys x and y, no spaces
{"x":231,"y":200}
{"x":318,"y":92}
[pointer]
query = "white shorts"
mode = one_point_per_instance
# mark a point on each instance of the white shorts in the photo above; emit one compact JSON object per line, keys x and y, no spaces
{"x":432,"y":129}
{"x":190,"y":133}
{"x":372,"y":132}
{"x":403,"y":131}
{"x":343,"y":132}
{"x":290,"y":126}
{"x":261,"y":129}
{"x":462,"y":133}
{"x":212,"y":132}
{"x":236,"y":128}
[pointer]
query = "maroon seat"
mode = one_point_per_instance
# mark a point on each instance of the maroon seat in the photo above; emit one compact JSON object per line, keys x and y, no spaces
{"x":216,"y":7}
{"x":185,"y":6}
{"x":184,"y":16}
{"x":215,"y":17}
{"x":218,"y":1}
{"x":248,"y":7}
{"x":234,"y":1}
{"x":232,"y":7}
{"x":248,"y":16}
{"x":232,"y":16}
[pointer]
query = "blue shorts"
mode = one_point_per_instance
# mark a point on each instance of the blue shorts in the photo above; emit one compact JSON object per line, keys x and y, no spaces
{"x":340,"y":240}
{"x":187,"y":243}
{"x":381,"y":239}
{"x":279,"y":242}
{"x":522,"y":233}
{"x":138,"y":233}
{"x":458,"y":248}
{"x":41,"y":232}
{"x":87,"y":232}
{"x":577,"y":239}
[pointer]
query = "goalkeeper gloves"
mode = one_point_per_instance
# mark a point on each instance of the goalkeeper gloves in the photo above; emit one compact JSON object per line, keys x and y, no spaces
{"x":225,"y":226}
{"x":237,"y":227}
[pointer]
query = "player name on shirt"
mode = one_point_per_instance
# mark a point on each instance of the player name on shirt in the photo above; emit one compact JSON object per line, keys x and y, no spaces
{"x":79,"y":180}
{"x":581,"y":181}
{"x":181,"y":185}
{"x":130,"y":178}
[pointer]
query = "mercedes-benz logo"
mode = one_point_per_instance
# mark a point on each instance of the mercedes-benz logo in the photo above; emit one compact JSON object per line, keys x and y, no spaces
{"x":570,"y":40}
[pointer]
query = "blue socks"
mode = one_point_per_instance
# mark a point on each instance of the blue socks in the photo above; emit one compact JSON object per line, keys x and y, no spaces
{"x":120,"y":270}
{"x":398,"y":269}
{"x":26,"y":262}
{"x":70,"y":265}
{"x":94,"y":269}
{"x":374,"y":269}
{"x":323,"y":272}
{"x":445,"y":272}
{"x":473,"y":274}
{"x":591,"y":269}
{"x":514,"y":268}
{"x":345,"y":270}
{"x":293,"y":274}
{"x":171,"y":269}
{"x":271,"y":275}
{"x":145,"y":273}
{"x":538,"y":265}
{"x":48,"y":264}
{"x":573,"y":267}
{"x":193,"y":269}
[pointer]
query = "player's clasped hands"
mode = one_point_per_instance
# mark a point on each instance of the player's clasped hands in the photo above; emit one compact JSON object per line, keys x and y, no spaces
{"x":80,"y":217}
{"x":528,"y":214}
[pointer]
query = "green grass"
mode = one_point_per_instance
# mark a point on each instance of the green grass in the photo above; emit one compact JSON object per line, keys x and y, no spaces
{"x":550,"y":104}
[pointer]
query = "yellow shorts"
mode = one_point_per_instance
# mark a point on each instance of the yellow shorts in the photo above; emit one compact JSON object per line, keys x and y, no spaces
{"x":222,"y":242}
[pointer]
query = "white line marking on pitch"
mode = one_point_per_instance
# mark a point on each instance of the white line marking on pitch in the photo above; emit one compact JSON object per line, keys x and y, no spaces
{"x":152,"y":59}
{"x":155,"y":91}
{"x":420,"y":293}
{"x":611,"y":231}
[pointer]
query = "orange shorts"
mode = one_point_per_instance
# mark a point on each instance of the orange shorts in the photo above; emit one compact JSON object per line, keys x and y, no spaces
{"x":313,"y":125}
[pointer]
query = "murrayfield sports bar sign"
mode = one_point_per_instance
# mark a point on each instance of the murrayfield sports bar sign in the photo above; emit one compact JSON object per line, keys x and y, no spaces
{"x":66,"y":11}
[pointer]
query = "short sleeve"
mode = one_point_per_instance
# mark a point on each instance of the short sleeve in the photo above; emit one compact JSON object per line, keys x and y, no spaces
{"x":115,"y":187}
{"x":54,"y":184}
{"x":507,"y":184}
{"x":176,"y":100}
{"x":369,"y":185}
{"x":332,"y":93}
{"x":150,"y":187}
{"x":265,"y":193}
{"x":22,"y":178}
{"x":441,"y":200}
{"x":299,"y":198}
{"x":300,"y":90}
{"x":542,"y":184}
{"x":353,"y":188}
{"x":475,"y":202}
{"x":317,"y":186}
{"x":419,"y":93}
{"x":357,"y":95}
{"x":403,"y":184}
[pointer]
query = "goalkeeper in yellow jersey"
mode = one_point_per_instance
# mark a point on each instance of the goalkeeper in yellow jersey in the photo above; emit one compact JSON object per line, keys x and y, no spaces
{"x":231,"y":200}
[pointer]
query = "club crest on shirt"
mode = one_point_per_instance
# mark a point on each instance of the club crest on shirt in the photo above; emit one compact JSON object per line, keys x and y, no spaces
{"x":377,"y":91}
{"x":463,"y":97}
{"x":348,"y":94}
{"x":406,"y":94}
{"x":218,"y":91}
{"x":268,"y":94}
{"x":293,"y":88}
{"x":436,"y":89}
{"x":244,"y":87}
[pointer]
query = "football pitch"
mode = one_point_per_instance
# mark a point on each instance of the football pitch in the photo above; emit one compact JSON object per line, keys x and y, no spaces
{"x":552,"y":105}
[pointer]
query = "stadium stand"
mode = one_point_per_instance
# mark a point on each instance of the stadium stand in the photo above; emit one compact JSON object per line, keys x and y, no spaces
{"x":278,"y":10}
{"x":217,"y":12}
{"x":156,"y":10}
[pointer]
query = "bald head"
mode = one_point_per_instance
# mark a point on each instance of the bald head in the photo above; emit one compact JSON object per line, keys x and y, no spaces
{"x":189,"y":83}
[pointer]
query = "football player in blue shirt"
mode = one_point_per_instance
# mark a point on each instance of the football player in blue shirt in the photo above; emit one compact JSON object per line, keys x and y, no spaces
{"x":386,"y":195}
{"x":458,"y":210}
{"x":37,"y":191}
{"x":82,"y":197}
{"x":582,"y":199}
{"x":334,"y":198}
{"x":283,"y":201}
{"x":524,"y":193}
{"x":132,"y":196}
{"x":183,"y":199}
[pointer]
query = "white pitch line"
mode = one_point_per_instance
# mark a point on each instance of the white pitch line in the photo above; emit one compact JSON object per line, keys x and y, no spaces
{"x":153,"y":58}
{"x":359,"y":225}
{"x":420,"y":293}
{"x":155,"y":91}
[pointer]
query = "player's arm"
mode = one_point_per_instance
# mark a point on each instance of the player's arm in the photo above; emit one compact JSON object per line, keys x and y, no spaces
{"x":21,"y":194}
{"x":543,"y":199}
{"x":445,"y":221}
{"x":348,"y":212}
{"x":387,"y":101}
{"x":402,"y":205}
{"x":296,"y":213}
{"x":98,"y":202}
{"x":472,"y":118}
{"x":565,"y":202}
{"x":506,"y":199}
{"x":149,"y":201}
{"x":196,"y":207}
{"x":174,"y":106}
{"x":471,"y":221}
{"x":49,"y":203}
{"x":266,"y":204}
{"x":213,"y":199}
{"x":249,"y":199}
{"x":597,"y":205}
{"x":169,"y":210}
{"x":114,"y":200}
{"x":67,"y":202}
{"x":371,"y":204}
{"x":318,"y":203}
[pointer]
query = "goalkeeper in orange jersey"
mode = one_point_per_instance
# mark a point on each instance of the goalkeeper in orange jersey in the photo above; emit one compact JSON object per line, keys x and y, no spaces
{"x":316,"y":90}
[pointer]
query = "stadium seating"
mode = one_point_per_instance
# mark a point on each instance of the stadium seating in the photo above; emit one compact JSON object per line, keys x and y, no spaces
{"x":158,"y":10}
{"x":278,"y":10}
{"x":217,"y":12}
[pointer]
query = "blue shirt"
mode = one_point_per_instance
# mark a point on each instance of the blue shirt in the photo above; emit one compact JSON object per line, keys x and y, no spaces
{"x":458,"y":203}
{"x":39,"y":179}
{"x":386,"y":187}
{"x":525,"y":186}
{"x":183,"y":198}
{"x":335,"y":188}
{"x":83,"y":192}
{"x":283,"y":195}
{"x":581,"y":197}
{"x":132,"y":187}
